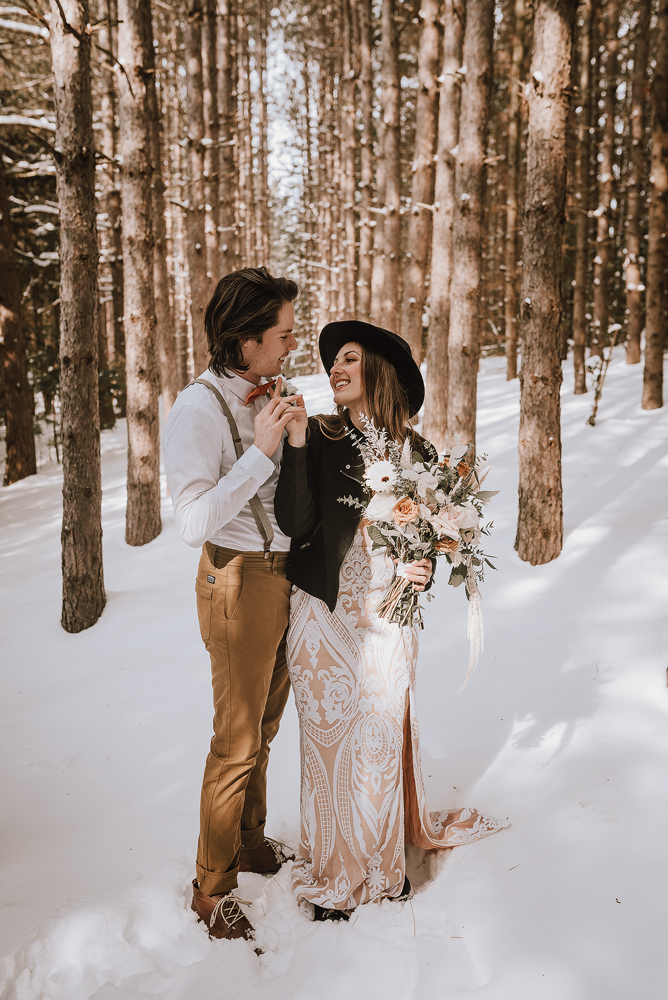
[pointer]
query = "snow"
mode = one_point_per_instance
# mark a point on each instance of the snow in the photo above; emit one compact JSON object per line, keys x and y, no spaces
{"x":562,"y":728}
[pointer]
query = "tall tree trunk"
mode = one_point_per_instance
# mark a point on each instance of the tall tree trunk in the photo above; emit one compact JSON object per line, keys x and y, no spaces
{"x":106,"y":401}
{"x":436,"y":400}
{"x":135,"y":52}
{"x":81,"y":537}
{"x":422,"y":188}
{"x":196,"y":213}
{"x":540,"y":524}
{"x":245,"y":149}
{"x":605,"y":218}
{"x":111,"y":186}
{"x":467,"y":228}
{"x":348,"y":163}
{"x":20,"y":459}
{"x":366,"y":161}
{"x":512,"y":160}
{"x":582,"y":196}
{"x":392,"y":166}
{"x":228,"y":128}
{"x":262,"y":201}
{"x":636,"y":179}
{"x":211,"y":136}
{"x":657,"y":249}
{"x":378,"y":223}
{"x":165,"y":331}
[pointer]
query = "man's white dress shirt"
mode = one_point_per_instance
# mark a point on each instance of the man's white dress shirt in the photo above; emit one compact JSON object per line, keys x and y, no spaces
{"x":210,"y":488}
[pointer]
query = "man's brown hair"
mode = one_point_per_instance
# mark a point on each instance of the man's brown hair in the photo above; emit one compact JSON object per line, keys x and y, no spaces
{"x":245,"y":304}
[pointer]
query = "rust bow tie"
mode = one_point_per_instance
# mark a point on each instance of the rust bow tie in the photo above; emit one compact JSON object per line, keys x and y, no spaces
{"x":260,"y":390}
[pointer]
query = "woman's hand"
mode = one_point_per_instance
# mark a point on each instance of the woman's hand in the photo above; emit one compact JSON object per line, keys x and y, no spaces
{"x":419,"y":573}
{"x":297,"y":425}
{"x":296,"y":428}
{"x":272,"y":420}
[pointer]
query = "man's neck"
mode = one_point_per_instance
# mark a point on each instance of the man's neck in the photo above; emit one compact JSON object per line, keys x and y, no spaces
{"x":249,"y":377}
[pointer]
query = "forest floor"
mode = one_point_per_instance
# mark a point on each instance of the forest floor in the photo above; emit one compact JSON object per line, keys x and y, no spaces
{"x":562,"y":729}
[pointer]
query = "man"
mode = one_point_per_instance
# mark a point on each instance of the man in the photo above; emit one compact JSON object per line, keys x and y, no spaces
{"x":223,"y":494}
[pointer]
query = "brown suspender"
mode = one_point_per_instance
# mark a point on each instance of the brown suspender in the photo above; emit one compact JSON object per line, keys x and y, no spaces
{"x":257,"y":508}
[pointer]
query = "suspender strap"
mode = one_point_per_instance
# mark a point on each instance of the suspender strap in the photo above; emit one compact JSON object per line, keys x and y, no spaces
{"x":257,"y":508}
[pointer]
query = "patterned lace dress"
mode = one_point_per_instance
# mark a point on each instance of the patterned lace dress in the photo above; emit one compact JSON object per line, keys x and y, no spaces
{"x":362,"y":793}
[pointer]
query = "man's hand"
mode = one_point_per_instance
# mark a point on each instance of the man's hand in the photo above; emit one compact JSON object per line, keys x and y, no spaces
{"x":272,"y":420}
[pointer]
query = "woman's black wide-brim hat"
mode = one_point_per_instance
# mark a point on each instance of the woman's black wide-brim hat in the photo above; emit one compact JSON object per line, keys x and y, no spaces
{"x":392,"y":347}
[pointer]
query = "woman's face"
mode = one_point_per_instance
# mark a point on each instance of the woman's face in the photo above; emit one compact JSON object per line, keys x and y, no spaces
{"x":346,"y":377}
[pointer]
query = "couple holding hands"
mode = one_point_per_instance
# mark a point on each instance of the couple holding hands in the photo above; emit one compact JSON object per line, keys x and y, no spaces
{"x":286,"y":591}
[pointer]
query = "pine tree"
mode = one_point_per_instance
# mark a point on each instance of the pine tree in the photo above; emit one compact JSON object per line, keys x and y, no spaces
{"x":657,"y":249}
{"x":81,"y":537}
{"x":467,"y":227}
{"x":540,"y":523}
{"x":20,"y":459}
{"x":135,"y":52}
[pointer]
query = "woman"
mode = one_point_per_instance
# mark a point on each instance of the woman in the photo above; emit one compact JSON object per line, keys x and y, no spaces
{"x":353,"y":673}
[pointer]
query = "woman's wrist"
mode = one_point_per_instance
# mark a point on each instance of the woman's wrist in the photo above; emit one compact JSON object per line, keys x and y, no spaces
{"x":297,"y":439}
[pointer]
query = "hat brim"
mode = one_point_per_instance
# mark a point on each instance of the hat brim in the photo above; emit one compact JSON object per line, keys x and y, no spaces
{"x":392,"y":347}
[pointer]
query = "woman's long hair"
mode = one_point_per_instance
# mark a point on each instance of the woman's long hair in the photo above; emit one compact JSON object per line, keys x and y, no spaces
{"x":385,"y":401}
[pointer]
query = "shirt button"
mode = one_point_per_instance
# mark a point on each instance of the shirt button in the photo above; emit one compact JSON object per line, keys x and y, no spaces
{"x":347,"y":466}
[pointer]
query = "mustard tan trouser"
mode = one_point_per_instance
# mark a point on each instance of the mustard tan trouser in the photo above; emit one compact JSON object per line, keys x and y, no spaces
{"x":242,"y":605}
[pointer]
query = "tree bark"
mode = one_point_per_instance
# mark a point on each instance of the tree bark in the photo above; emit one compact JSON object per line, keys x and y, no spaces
{"x":111,"y":182}
{"x":20,"y":459}
{"x":436,"y":397}
{"x":422,"y":188}
{"x":81,"y":537}
{"x":540,"y":524}
{"x":165,"y":330}
{"x":211,"y":135}
{"x":196,"y":213}
{"x":582,"y":197}
{"x":228,"y":128}
{"x":392,"y":167}
{"x":135,"y":51}
{"x":366,"y":161}
{"x":467,"y":229}
{"x":657,"y":249}
{"x":348,"y":163}
{"x":604,"y":212}
{"x":512,"y":161}
{"x":262,"y":215}
{"x":635,"y":183}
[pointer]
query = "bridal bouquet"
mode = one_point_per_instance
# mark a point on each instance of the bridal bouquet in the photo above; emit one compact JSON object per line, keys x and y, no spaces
{"x":422,"y":509}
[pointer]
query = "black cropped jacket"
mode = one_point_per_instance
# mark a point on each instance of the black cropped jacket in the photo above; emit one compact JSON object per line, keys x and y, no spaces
{"x":308,"y":510}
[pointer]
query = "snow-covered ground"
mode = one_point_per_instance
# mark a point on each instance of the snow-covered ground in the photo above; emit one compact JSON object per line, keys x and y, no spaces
{"x":562,"y":729}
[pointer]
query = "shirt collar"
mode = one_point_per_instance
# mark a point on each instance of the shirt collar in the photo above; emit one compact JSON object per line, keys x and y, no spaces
{"x":241,"y":387}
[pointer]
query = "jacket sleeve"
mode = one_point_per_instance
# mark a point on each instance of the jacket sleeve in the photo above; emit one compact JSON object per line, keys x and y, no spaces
{"x":295,"y":504}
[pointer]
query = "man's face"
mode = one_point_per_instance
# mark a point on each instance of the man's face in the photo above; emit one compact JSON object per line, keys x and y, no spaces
{"x":266,"y":358}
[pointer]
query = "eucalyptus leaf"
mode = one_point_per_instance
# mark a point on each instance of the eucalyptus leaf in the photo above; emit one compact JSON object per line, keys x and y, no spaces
{"x":376,"y":536}
{"x":486,"y":495}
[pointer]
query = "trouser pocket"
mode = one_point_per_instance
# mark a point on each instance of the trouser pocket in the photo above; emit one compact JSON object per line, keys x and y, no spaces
{"x":204,"y":602}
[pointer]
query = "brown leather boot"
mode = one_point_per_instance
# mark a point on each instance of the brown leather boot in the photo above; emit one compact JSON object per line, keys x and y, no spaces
{"x":267,"y":859}
{"x":221,"y":914}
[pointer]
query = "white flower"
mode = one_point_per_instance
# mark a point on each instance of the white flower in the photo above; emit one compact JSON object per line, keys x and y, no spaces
{"x":451,"y":520}
{"x":381,"y":506}
{"x":380,"y":476}
{"x":468,"y":516}
{"x":287,"y":388}
{"x":424,"y":480}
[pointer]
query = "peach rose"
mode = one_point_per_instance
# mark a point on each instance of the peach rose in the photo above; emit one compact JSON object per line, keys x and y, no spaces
{"x":404,"y":511}
{"x":447,"y":545}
